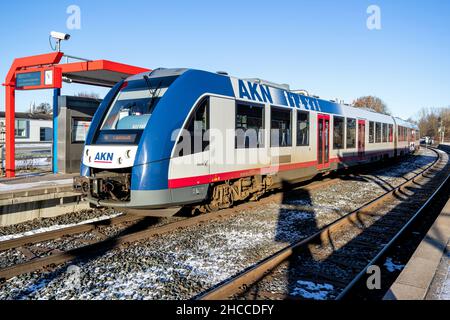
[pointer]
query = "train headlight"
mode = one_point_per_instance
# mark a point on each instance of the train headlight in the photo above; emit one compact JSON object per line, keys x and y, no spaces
{"x":128,"y":154}
{"x":120,"y":160}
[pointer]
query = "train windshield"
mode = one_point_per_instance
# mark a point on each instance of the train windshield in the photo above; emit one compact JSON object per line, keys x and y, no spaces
{"x":135,"y":103}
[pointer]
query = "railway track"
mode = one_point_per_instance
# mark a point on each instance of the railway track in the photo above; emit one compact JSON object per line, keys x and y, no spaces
{"x":146,"y":231}
{"x":332,"y":260}
{"x":59,"y":257}
{"x":56,"y":234}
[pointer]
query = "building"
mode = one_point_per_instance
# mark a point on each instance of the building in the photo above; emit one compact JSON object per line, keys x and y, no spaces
{"x":30,"y":127}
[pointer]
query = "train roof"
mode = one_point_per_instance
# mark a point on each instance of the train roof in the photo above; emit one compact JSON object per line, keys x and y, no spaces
{"x":279,"y":93}
{"x":405,"y":123}
{"x":159,"y":73}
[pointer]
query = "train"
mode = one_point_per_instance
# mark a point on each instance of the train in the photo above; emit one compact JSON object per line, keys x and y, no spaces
{"x":184,"y":138}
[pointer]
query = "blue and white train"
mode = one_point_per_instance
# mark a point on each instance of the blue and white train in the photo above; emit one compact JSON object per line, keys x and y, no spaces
{"x":175,"y":138}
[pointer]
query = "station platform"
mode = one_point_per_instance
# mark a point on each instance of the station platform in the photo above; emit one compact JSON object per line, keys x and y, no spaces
{"x":34,"y":181}
{"x":30,"y":196}
{"x":427,"y":274}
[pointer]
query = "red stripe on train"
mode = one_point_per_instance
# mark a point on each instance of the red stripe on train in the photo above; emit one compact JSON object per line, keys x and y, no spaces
{"x":194,"y":181}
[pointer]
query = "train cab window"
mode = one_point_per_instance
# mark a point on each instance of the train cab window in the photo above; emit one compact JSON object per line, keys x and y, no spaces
{"x":378,"y":132}
{"x":195,"y":137}
{"x":385,"y":132}
{"x":280,"y":128}
{"x":338,"y":132}
{"x":371,"y":132}
{"x":351,"y":133}
{"x":302,"y":128}
{"x":391,"y":133}
{"x":133,"y":106}
{"x":249,"y":126}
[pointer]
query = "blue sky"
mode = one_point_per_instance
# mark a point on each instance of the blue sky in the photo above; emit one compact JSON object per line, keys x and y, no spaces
{"x":323,"y":46}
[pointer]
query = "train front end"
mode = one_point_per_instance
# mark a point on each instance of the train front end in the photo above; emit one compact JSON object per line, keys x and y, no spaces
{"x":118,"y":151}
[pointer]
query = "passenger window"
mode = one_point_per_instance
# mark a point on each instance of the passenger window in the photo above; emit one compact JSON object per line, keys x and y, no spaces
{"x":195,"y":138}
{"x":302,"y":128}
{"x":249,"y":126}
{"x":378,"y":132}
{"x":391,"y":133}
{"x":351,"y":133}
{"x":385,"y":132}
{"x":280,"y":129}
{"x":338,"y":132}
{"x":371,"y":132}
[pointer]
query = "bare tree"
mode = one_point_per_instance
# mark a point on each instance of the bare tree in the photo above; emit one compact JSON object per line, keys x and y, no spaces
{"x":430,"y":121}
{"x":372,"y":103}
{"x":92,"y":95}
{"x":43,"y":107}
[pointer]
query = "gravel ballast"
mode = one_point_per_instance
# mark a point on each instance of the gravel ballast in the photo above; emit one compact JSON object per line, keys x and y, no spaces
{"x":182,"y":264}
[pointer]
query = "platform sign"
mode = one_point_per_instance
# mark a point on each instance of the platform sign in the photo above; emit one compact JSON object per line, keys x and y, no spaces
{"x":28,"y":79}
{"x":39,"y":78}
{"x":80,"y":129}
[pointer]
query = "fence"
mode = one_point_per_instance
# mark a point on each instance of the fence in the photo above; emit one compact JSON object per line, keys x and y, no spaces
{"x":30,"y":156}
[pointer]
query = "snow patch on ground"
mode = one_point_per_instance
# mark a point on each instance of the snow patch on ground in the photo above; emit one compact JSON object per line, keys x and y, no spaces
{"x":311,"y":290}
{"x":31,"y":163}
{"x":24,"y":186}
{"x":55,"y":227}
{"x":128,"y":285}
{"x":391,"y":266}
{"x":33,"y":145}
{"x":445,"y":291}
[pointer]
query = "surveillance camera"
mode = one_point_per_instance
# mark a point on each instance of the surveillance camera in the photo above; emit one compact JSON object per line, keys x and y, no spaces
{"x":59,"y":35}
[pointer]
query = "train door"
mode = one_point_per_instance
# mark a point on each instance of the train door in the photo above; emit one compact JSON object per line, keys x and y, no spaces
{"x":361,"y":138}
{"x":323,"y":141}
{"x":225,"y":157}
{"x":191,"y":155}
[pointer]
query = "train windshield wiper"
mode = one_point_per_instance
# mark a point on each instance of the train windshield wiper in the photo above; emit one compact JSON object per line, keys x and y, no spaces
{"x":153,"y":92}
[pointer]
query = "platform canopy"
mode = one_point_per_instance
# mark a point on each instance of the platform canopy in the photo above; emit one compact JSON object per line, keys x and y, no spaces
{"x":46,"y":71}
{"x":100,"y":72}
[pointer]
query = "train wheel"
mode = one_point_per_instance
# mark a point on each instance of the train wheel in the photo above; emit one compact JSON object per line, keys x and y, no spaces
{"x":221,"y":198}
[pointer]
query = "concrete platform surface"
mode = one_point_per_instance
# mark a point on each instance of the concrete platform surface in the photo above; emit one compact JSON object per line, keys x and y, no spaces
{"x":440,"y":286}
{"x":421,"y":275}
{"x":35,"y":181}
{"x":36,"y":177}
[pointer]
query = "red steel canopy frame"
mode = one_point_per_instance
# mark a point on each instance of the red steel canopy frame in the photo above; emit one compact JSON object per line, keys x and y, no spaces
{"x":47,"y":73}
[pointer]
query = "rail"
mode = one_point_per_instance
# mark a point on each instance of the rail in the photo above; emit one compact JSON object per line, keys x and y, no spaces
{"x":239,"y":283}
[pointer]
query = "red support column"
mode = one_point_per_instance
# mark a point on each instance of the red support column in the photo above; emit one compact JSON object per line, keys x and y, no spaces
{"x":10,"y":131}
{"x":10,"y":108}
